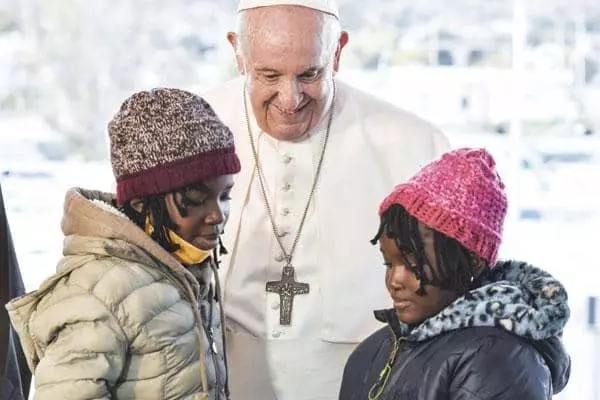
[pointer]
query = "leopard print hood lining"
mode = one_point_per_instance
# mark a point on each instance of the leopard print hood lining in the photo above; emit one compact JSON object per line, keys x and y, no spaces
{"x":515,"y":296}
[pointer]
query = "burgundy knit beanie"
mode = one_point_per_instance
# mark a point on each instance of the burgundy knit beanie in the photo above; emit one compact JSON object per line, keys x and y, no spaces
{"x":166,"y":139}
{"x":460,"y":195}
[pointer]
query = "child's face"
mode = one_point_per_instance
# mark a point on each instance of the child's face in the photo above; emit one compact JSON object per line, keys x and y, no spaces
{"x":402,"y":283}
{"x":208,"y":210}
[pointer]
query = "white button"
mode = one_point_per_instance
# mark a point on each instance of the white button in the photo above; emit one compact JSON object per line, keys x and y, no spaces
{"x":275,"y":305}
{"x":279,"y":257}
{"x":285,"y":211}
{"x":286,"y":187}
{"x":276,"y":334}
{"x":287,"y":159}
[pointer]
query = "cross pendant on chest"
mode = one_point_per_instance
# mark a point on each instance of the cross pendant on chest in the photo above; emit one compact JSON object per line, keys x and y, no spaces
{"x":287,"y":288}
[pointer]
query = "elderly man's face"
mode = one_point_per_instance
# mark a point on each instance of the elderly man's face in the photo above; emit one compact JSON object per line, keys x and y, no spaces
{"x":289,"y":55}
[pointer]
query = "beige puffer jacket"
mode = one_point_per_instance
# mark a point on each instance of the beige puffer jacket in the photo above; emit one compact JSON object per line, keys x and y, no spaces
{"x":120,"y":319}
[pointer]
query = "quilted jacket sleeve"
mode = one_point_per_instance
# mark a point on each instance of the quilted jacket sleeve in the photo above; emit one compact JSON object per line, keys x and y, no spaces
{"x":84,"y":350}
{"x":501,"y":367}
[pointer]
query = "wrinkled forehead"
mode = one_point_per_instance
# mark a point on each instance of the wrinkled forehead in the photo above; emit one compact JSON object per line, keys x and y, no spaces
{"x":287,"y":58}
{"x":284,"y":37}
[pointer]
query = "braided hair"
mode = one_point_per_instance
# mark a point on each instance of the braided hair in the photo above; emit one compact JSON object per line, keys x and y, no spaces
{"x":457,"y":267}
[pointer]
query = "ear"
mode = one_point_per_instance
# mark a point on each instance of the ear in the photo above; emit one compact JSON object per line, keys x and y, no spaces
{"x":237,"y":51}
{"x":137,"y":205}
{"x":344,"y":37}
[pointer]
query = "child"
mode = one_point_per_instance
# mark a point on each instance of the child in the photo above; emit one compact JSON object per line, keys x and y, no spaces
{"x":133,"y":310}
{"x":463,"y":326}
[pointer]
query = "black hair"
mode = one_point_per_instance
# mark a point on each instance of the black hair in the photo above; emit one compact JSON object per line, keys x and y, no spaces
{"x":457,"y":267}
{"x":156,"y":206}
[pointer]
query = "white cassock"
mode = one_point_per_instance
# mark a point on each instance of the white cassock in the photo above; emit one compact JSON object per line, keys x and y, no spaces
{"x":372,"y":147}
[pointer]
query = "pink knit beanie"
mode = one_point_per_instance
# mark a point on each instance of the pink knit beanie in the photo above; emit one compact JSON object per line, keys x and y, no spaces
{"x":460,"y":195}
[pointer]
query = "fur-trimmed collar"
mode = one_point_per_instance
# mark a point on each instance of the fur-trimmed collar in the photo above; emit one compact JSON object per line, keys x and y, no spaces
{"x":514,"y":296}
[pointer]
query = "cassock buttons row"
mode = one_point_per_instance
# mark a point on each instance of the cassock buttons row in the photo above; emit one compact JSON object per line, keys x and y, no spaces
{"x":287,"y":159}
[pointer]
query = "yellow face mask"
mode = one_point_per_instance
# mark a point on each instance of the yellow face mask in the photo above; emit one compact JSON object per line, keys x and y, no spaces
{"x":186,"y":254}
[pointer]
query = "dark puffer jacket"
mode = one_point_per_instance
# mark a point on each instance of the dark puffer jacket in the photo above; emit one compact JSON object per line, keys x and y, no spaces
{"x":503,"y":343}
{"x":15,"y":377}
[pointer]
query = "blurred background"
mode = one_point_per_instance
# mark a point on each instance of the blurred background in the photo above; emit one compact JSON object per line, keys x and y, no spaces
{"x":519,"y":77}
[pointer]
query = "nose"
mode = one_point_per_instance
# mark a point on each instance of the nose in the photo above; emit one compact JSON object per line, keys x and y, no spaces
{"x":215,"y":214}
{"x":399,"y":277}
{"x":290,"y":95}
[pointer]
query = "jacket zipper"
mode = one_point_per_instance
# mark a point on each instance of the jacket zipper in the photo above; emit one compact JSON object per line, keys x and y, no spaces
{"x":379,"y":386}
{"x":213,"y":346}
{"x":207,"y":330}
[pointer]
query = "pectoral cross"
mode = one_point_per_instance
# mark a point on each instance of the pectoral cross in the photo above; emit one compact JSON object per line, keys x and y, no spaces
{"x":287,"y":288}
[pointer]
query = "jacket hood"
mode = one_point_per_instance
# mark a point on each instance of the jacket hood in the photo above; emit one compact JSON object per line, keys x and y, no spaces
{"x":93,"y":214}
{"x":514,"y":296}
